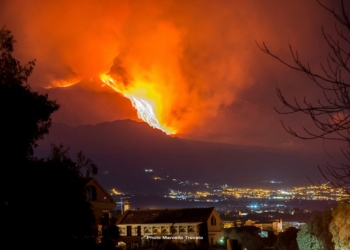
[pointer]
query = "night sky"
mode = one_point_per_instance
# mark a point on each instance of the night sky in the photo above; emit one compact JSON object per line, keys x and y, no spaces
{"x":200,"y":60}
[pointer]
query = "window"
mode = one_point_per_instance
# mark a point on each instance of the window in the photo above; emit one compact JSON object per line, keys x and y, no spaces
{"x":165,"y":230}
{"x":138,"y":230}
{"x":91,"y":193}
{"x":213,"y":221}
{"x":128,"y":231}
{"x":173,"y":230}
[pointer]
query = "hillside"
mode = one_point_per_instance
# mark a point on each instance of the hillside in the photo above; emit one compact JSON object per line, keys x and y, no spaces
{"x":123,"y":149}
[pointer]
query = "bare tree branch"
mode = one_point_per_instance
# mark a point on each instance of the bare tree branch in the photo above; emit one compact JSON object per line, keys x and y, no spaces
{"x":330,"y":114}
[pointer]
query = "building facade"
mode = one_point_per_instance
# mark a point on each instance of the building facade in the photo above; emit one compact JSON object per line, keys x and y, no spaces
{"x":275,"y":225}
{"x":101,"y":202}
{"x":151,"y":227}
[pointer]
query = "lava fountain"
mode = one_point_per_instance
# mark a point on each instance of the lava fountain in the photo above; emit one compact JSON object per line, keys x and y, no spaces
{"x":143,"y":98}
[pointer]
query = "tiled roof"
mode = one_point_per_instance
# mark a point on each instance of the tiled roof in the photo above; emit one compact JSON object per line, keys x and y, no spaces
{"x":179,"y":215}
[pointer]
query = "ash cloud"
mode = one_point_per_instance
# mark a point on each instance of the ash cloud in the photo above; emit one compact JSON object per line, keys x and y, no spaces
{"x":199,"y":55}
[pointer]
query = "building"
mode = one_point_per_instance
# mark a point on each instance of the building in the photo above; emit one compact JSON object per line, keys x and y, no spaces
{"x":295,"y":224}
{"x":275,"y":225}
{"x":101,"y":201}
{"x":154,"y":226}
{"x":232,"y":223}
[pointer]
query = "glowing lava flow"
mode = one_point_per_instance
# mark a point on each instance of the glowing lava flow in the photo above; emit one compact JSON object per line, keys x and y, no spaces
{"x":145,"y":110}
{"x":63,"y":83}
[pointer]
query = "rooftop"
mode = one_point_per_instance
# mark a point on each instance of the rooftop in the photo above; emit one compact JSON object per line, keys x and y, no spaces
{"x":177,"y":215}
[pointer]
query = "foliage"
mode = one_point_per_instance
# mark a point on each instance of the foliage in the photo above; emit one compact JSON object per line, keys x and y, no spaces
{"x":270,"y":241}
{"x":110,"y":233}
{"x":325,"y":236}
{"x":43,"y":201}
{"x":84,"y":165}
{"x":25,"y":114}
{"x":287,"y":240}
{"x":248,"y":236}
{"x":56,"y":203}
{"x":340,"y":226}
{"x":316,"y":232}
{"x":73,"y":211}
{"x":307,"y":241}
{"x":330,"y":114}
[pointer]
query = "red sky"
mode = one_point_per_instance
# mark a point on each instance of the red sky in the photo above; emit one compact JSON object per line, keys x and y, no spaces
{"x":201,"y":58}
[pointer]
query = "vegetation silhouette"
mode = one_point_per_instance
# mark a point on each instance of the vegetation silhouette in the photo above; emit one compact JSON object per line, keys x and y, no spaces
{"x":26,"y":115}
{"x":315,"y":234}
{"x":330,"y":114}
{"x":248,"y":236}
{"x":43,"y":201}
{"x":287,"y":240}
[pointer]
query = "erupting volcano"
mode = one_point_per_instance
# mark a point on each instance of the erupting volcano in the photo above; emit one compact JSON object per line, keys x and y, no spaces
{"x":187,"y":67}
{"x":144,"y":99}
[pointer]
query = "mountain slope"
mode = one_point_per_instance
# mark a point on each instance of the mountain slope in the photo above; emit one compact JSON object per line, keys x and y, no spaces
{"x":122,"y":149}
{"x":88,"y":102}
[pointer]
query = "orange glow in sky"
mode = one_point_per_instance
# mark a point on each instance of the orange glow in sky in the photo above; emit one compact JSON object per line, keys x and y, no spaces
{"x":180,"y":63}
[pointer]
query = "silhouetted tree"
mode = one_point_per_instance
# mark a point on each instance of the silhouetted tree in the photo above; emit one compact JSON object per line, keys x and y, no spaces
{"x":84,"y":165}
{"x":69,"y":218}
{"x":25,"y":118}
{"x":51,"y":206}
{"x":25,"y":114}
{"x":287,"y":240}
{"x":43,"y":201}
{"x":248,"y":236}
{"x":110,"y":233}
{"x":331,"y":112}
{"x":270,"y":241}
